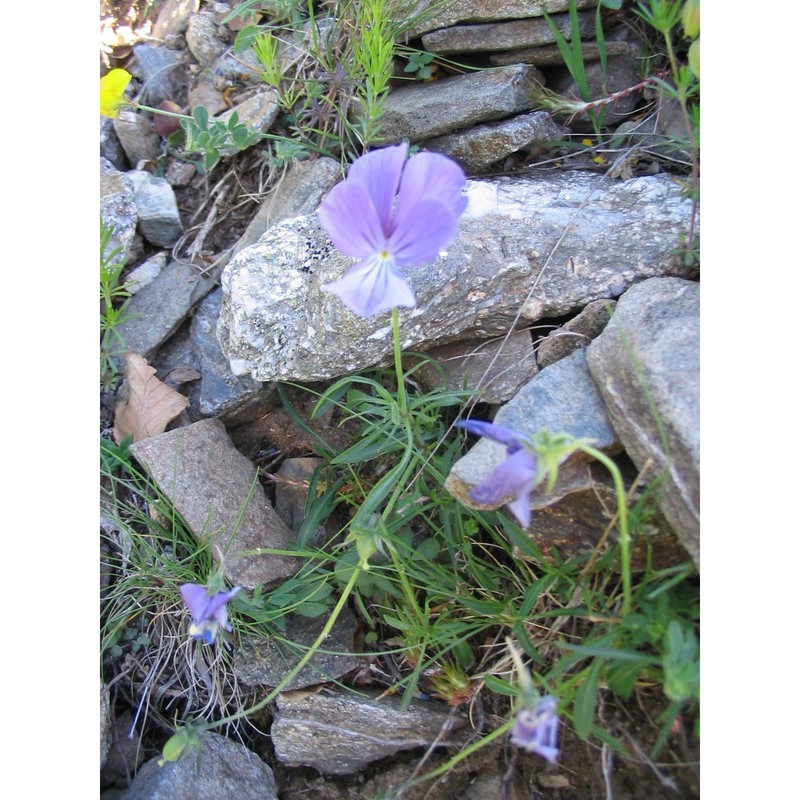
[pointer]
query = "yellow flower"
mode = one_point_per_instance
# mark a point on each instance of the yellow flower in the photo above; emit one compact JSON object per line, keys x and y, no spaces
{"x":112,"y":92}
{"x":587,"y":142}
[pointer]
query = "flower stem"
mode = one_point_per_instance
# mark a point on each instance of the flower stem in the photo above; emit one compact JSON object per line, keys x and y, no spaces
{"x":402,"y":401}
{"x":624,"y":533}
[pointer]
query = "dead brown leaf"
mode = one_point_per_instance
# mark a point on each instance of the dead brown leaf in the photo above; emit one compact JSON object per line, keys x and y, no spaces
{"x":150,"y":404}
{"x":180,"y":375}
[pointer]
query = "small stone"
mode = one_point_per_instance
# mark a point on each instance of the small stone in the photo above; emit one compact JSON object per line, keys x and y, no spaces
{"x":118,"y":209}
{"x":266,"y":662}
{"x":257,"y":112}
{"x":477,"y":148}
{"x":110,"y":145}
{"x":205,"y":94}
{"x":173,"y":18}
{"x":203,"y":40}
{"x":219,"y":768}
{"x":157,"y":310}
{"x":577,"y":332}
{"x":425,"y":110}
{"x":216,"y":491}
{"x":490,"y":11}
{"x":504,"y":35}
{"x":550,"y":55}
{"x":180,"y":173}
{"x":154,"y":67}
{"x":145,"y":273}
{"x":340,"y":733}
{"x":137,"y":137}
{"x":159,"y":218}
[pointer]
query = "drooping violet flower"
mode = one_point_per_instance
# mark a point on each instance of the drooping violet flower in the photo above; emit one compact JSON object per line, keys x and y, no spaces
{"x":209,"y":612}
{"x":516,"y":477}
{"x":536,"y":730}
{"x":364,"y":221}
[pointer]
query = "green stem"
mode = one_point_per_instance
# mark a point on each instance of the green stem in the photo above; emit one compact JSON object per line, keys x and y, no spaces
{"x":290,"y":676}
{"x":622,"y":514}
{"x":402,"y":400}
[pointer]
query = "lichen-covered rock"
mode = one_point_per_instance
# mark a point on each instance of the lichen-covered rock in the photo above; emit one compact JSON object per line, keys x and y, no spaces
{"x":529,"y":247}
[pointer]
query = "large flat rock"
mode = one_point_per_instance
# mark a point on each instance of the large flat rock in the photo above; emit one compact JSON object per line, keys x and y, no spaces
{"x":216,"y":491}
{"x":531,"y":247}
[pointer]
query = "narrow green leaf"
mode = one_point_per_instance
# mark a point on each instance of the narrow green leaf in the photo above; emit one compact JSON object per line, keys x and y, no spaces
{"x":585,"y":701}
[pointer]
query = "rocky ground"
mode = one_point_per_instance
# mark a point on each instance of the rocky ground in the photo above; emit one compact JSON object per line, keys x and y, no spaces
{"x":227,"y":268}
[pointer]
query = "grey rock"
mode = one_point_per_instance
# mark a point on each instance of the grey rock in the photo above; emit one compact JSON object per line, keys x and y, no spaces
{"x":622,"y":72}
{"x":577,"y":332}
{"x":258,"y":112}
{"x":173,"y":18}
{"x":490,"y":11}
{"x":267,"y":662}
{"x":216,"y":491}
{"x":179,"y":173}
{"x":561,"y":399}
{"x":529,"y":247}
{"x":118,"y":209}
{"x":110,"y":145}
{"x":504,"y":35}
{"x":145,"y":273}
{"x":550,"y":55}
{"x":159,"y":218}
{"x":203,"y":40}
{"x":339,"y":732}
{"x":137,"y":137}
{"x":240,"y":68}
{"x":424,"y":110}
{"x":493,"y":369}
{"x":154,"y":67}
{"x":298,"y":192}
{"x":477,"y":148}
{"x":125,"y":754}
{"x":292,"y":484}
{"x":222,"y":394}
{"x":218,"y":768}
{"x":157,"y":310}
{"x":649,"y":352}
{"x":205,"y":94}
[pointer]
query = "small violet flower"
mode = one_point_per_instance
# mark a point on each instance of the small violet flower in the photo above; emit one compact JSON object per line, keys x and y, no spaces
{"x":364,"y":221}
{"x":516,"y":476}
{"x":208,"y":610}
{"x":536,"y":730}
{"x":112,"y":91}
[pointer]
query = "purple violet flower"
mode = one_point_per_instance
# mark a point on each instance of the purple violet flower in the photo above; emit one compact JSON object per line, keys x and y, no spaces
{"x":536,"y":730}
{"x":208,"y":611}
{"x":516,"y":476}
{"x":364,"y":221}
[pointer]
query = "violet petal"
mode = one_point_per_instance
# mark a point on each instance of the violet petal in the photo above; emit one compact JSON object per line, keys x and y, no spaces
{"x":515,"y":476}
{"x":434,"y":176}
{"x":379,"y":173}
{"x":351,"y":220}
{"x":421,"y":231}
{"x":371,"y":287}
